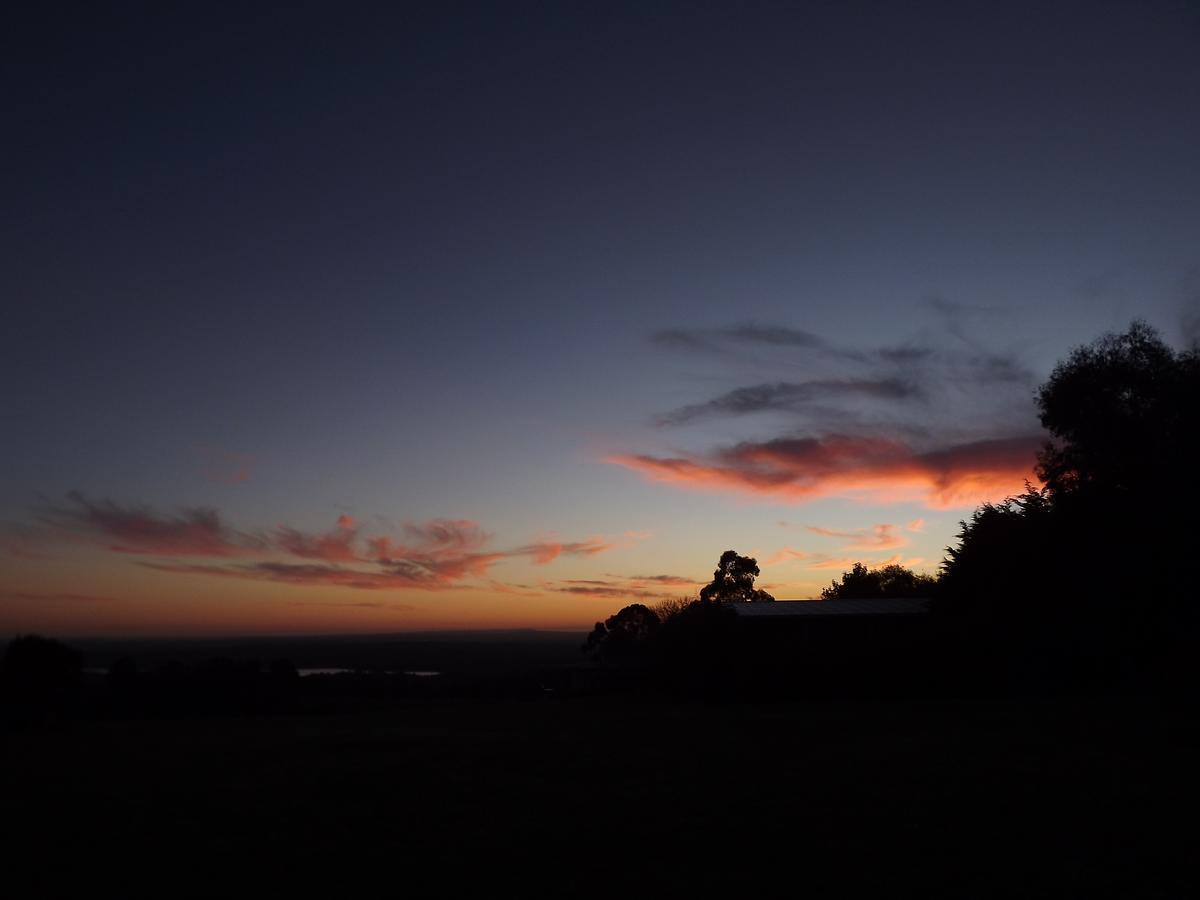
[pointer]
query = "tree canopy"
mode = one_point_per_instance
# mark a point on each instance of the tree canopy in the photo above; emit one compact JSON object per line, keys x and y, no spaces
{"x":733,"y":581}
{"x":891,"y":581}
{"x":1075,"y":581}
{"x":1122,"y":412}
{"x":625,"y":629}
{"x":1090,"y":560}
{"x":1007,"y":553}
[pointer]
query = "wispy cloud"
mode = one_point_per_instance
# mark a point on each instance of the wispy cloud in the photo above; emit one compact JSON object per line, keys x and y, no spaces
{"x":544,"y":552}
{"x":953,"y":350}
{"x":643,"y":587}
{"x":941,"y":418}
{"x":334,"y":546}
{"x":898,"y":560}
{"x":448,"y":535}
{"x":713,"y":339}
{"x":864,"y":541}
{"x":878,"y":537}
{"x":876,"y":469}
{"x":822,"y":562}
{"x":423,"y":575}
{"x":786,"y":555}
{"x":828,"y":562}
{"x":598,"y":590}
{"x":663,"y":580}
{"x":193,"y":531}
{"x":357,"y":604}
{"x":432,"y":555}
{"x":794,"y":397}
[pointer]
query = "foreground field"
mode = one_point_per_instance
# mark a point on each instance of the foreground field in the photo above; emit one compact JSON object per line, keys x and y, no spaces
{"x":616,"y":795}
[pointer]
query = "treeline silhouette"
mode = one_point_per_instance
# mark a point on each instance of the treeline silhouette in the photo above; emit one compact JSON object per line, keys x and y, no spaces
{"x":1079,"y":584}
{"x":1083,"y":580}
{"x":886,"y":582}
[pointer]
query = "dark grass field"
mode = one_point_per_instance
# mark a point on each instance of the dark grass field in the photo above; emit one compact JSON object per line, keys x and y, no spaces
{"x":618,"y":795}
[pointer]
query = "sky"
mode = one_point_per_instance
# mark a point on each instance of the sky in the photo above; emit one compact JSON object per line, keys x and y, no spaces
{"x":350,"y":318}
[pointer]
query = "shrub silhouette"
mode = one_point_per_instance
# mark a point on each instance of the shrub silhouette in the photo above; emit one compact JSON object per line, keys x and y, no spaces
{"x":892,"y":581}
{"x":666,"y":610}
{"x":623,"y":632}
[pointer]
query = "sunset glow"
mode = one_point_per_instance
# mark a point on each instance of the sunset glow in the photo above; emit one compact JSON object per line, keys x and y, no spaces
{"x":869,"y":471}
{"x":470,"y":319}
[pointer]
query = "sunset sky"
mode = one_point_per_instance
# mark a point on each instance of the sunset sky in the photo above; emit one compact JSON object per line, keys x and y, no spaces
{"x":412,"y":316}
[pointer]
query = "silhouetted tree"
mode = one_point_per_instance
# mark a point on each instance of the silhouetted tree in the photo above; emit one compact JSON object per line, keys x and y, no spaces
{"x":1007,"y":554}
{"x":733,"y":581}
{"x":669,"y":609}
{"x":1083,"y":575}
{"x":892,"y":581}
{"x":696,"y":648}
{"x":621,"y":632}
{"x":1123,"y":414}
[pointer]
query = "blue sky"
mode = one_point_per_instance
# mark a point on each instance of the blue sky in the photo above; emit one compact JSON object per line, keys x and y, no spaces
{"x":442,"y":262}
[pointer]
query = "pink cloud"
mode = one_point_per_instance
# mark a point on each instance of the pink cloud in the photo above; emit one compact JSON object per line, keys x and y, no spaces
{"x":787,"y":554}
{"x":334,"y":546}
{"x":842,"y":562}
{"x":898,"y":560}
{"x":446,"y":535}
{"x":878,"y":537}
{"x":820,"y":561}
{"x":547,"y":551}
{"x":432,"y":555}
{"x":865,"y":468}
{"x":443,"y":551}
